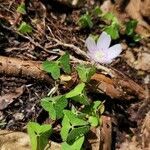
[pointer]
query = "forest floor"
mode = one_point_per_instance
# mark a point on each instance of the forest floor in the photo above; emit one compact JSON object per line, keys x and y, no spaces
{"x":60,"y":22}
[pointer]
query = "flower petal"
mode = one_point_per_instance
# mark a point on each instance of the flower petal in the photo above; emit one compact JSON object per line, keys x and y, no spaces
{"x":90,"y":44}
{"x":103,"y":42}
{"x":105,"y":61}
{"x":114,"y":51}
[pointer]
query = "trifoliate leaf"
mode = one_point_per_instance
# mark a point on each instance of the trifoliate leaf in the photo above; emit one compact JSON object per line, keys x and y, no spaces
{"x":25,"y":28}
{"x":55,"y":106}
{"x":85,"y":21}
{"x":59,"y":106}
{"x":136,"y":37}
{"x":65,"y":64}
{"x":97,"y":11}
{"x":130,"y":27}
{"x":77,"y":132}
{"x":39,"y":135}
{"x":65,"y":128}
{"x":111,"y":17}
{"x":96,"y":108}
{"x":73,"y":119}
{"x":85,"y":73}
{"x":81,"y":98}
{"x":52,"y":67}
{"x":76,"y":91}
{"x":48,"y":106}
{"x":113,"y":31}
{"x":21,"y":8}
{"x":77,"y":145}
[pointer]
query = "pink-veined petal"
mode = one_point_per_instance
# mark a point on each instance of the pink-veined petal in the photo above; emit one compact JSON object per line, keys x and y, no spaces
{"x":103,"y":42}
{"x":114,"y":51}
{"x":90,"y":44}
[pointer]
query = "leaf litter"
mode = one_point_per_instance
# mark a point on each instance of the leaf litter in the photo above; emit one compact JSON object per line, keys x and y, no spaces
{"x":51,"y":26}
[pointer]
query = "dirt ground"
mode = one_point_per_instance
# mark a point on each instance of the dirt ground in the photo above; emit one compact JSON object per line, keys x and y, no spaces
{"x":53,"y":20}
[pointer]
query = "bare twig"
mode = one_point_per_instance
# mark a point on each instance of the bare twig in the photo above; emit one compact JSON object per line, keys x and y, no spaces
{"x":71,"y":46}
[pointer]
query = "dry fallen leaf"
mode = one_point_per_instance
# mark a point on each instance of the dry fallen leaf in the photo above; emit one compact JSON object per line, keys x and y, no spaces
{"x":8,"y":98}
{"x":10,"y":140}
{"x":141,"y":63}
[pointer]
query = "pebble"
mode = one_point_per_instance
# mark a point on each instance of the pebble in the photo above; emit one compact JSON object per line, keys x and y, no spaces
{"x":18,"y":116}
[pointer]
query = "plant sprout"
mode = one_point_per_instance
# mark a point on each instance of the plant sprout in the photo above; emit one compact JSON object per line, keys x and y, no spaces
{"x":101,"y":51}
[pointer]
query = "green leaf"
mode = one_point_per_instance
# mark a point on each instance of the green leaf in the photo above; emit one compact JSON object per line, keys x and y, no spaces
{"x":85,"y":73}
{"x":65,"y":128}
{"x":111,"y":17}
{"x":97,"y":11}
{"x":94,"y":121}
{"x":77,"y":145}
{"x":81,"y":98}
{"x":59,"y":106}
{"x":55,"y":106}
{"x":72,"y":126}
{"x":52,"y":67}
{"x":76,"y":91}
{"x":21,"y":8}
{"x":77,"y":132}
{"x":73,"y":119}
{"x":96,"y":105}
{"x":94,"y":109}
{"x":39,"y":135}
{"x":65,"y":64}
{"x":113,"y":31}
{"x":44,"y":129}
{"x":25,"y":28}
{"x":136,"y":38}
{"x":48,"y":106}
{"x":130,"y":27}
{"x":85,"y":21}
{"x":32,"y":135}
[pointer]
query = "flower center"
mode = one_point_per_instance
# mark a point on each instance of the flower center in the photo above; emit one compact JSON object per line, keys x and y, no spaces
{"x":99,"y":54}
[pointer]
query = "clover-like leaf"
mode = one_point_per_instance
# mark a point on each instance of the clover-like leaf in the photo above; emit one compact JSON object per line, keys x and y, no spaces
{"x":48,"y":106}
{"x":39,"y":135}
{"x":66,"y":126}
{"x":112,"y":30}
{"x":73,"y":119}
{"x":77,"y":132}
{"x":21,"y":8}
{"x":97,"y":11}
{"x":76,"y":91}
{"x":85,"y":21}
{"x":130,"y":27}
{"x":81,"y":98}
{"x":77,"y":145}
{"x":55,"y":106}
{"x":65,"y":64}
{"x":85,"y":73}
{"x":52,"y":67}
{"x":111,"y":17}
{"x":25,"y":28}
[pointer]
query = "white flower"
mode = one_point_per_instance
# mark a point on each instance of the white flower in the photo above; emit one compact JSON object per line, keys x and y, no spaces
{"x":101,"y":52}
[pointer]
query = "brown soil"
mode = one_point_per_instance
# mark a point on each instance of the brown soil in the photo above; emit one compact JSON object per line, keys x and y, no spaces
{"x":127,"y":116}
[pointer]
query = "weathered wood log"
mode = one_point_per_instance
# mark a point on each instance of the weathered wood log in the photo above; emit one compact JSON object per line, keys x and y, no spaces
{"x":18,"y":67}
{"x":119,"y":86}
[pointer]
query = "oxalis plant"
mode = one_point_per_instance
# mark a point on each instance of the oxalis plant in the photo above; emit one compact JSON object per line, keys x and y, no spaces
{"x":74,"y":110}
{"x":109,"y":24}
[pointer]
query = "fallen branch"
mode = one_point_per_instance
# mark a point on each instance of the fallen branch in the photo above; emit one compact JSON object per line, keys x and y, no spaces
{"x":116,"y":86}
{"x":18,"y":67}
